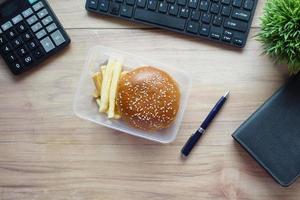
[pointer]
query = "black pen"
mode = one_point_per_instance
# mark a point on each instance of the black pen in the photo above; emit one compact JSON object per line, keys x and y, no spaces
{"x":187,"y":148}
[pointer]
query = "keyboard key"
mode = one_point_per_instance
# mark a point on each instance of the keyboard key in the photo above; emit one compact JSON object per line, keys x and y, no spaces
{"x":228,"y":33}
{"x":36,"y":7}
{"x":21,"y":27}
{"x":184,"y":12}
{"x":226,"y":2}
{"x":130,"y":2}
{"x":27,"y":36}
{"x":204,"y":30}
{"x":93,"y":4}
{"x":171,"y":1}
{"x":38,"y":53}
{"x":217,"y":20}
{"x":192,"y":27}
{"x":17,"y":19}
{"x":114,"y":8}
{"x":173,"y":10}
{"x":22,"y":51}
{"x":192,"y":3}
{"x":126,"y":11}
{"x":32,"y":45}
{"x":27,"y":13}
{"x":58,"y":38}
{"x":238,"y":41}
{"x":195,"y":15}
{"x":47,"y":20}
{"x":47,"y":44}
{"x":204,"y":5}
{"x":241,"y":14}
{"x":206,"y":18}
{"x":237,"y":3}
{"x":52,"y":27}
{"x":17,"y":65}
{"x":159,"y":19}
{"x":215,"y":8}
{"x":36,"y":27}
{"x":236,"y":25}
{"x":17,"y":42}
{"x":11,"y":34}
{"x":226,"y":11}
{"x":42,"y":33}
{"x":163,"y":7}
{"x":6,"y":49}
{"x":103,"y":5}
{"x":141,"y":3}
{"x":215,"y":32}
{"x":11,"y":58}
{"x":152,"y":4}
{"x":226,"y":38}
{"x":181,"y":2}
{"x":6,"y":26}
{"x":32,"y":20}
{"x":248,"y":5}
{"x":27,"y":60}
{"x":43,"y":13}
{"x":119,"y":1}
{"x":2,"y":40}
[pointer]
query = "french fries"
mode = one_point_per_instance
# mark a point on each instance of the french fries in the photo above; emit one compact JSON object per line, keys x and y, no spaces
{"x":106,"y":86}
{"x":97,"y":78}
{"x":113,"y":89}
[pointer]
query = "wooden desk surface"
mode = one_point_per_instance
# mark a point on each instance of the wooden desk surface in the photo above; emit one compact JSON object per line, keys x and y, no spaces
{"x":46,"y":152}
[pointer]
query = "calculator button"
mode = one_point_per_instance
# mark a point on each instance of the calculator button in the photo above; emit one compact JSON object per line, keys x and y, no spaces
{"x":17,"y":19}
{"x":21,"y":27}
{"x":47,"y":20}
{"x":38,"y":6}
{"x":41,"y":34}
{"x":16,"y":42}
{"x":6,"y":26}
{"x":32,"y":20}
{"x":51,"y":27}
{"x":47,"y":44}
{"x":58,"y":38}
{"x":22,"y":51}
{"x":32,"y":44}
{"x":6,"y":49}
{"x":27,"y":13}
{"x":42,"y":13}
{"x":38,"y":53}
{"x":27,"y":36}
{"x":2,"y":40}
{"x":11,"y":34}
{"x":11,"y":58}
{"x":27,"y":60}
{"x":36,"y":27}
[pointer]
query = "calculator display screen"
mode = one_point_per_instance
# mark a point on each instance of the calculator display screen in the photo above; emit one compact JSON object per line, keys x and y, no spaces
{"x":10,"y":8}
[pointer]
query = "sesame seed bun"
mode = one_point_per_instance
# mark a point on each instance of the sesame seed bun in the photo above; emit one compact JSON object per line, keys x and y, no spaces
{"x":148,"y":98}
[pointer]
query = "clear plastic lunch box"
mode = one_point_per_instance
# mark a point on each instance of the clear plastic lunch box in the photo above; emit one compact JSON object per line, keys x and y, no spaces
{"x":85,"y":106}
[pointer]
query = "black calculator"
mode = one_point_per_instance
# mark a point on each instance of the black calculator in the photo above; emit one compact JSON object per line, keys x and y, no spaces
{"x":29,"y":33}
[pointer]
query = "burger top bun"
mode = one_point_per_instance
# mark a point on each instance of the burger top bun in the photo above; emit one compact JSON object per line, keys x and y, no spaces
{"x":148,"y":98}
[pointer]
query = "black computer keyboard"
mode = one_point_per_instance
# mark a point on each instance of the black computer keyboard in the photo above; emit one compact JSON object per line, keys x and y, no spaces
{"x":226,"y":21}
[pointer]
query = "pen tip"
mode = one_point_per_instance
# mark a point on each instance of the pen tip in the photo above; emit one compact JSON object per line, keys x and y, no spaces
{"x":226,"y":94}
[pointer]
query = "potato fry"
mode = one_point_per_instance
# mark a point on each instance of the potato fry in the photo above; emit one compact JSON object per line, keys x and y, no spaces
{"x":104,"y":101}
{"x":113,"y":89}
{"x":98,"y":102}
{"x":97,"y":78}
{"x":117,"y":116}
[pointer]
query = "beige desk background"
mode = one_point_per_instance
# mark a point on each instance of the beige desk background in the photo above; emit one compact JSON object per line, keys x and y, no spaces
{"x":48,"y":153}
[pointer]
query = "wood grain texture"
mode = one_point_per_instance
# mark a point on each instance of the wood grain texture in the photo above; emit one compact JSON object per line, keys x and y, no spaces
{"x":47,"y":153}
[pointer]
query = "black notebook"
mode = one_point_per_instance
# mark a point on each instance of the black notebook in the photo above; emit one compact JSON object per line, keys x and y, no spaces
{"x":272,"y":134}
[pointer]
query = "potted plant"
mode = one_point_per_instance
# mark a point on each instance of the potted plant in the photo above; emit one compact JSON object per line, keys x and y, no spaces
{"x":280,"y":32}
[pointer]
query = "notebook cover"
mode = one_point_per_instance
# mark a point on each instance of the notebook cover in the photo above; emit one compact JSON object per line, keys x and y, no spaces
{"x":272,"y":134}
